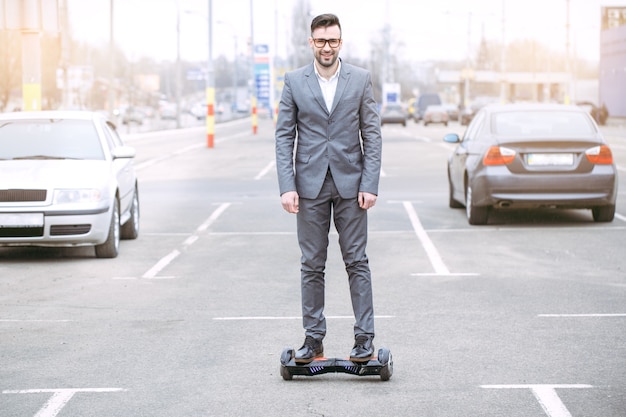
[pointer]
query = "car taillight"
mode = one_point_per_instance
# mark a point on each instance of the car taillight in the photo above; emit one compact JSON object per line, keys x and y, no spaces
{"x":498,"y":155}
{"x":601,"y":155}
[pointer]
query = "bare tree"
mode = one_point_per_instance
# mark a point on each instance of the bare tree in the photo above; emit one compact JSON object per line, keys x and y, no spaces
{"x":301,"y":30}
{"x":10,"y":66}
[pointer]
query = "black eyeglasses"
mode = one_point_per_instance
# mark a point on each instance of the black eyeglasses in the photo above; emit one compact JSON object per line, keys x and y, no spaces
{"x":320,"y":43}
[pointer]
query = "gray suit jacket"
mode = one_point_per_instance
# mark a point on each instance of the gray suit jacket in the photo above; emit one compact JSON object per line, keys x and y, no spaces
{"x":346,"y":140}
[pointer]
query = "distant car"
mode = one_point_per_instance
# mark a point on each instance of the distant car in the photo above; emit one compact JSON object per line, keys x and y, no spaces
{"x":393,"y":113}
{"x":242,"y":107}
{"x":467,"y":113}
{"x":423,"y":101}
{"x":435,"y":114}
{"x":67,"y":180}
{"x":453,"y":111}
{"x":133,"y":115}
{"x":599,"y":114}
{"x":530,"y":156}
{"x":199,"y":111}
{"x":168,"y":111}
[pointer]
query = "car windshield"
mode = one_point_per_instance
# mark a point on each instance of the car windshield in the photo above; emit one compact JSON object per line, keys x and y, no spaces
{"x":542,"y":124}
{"x":49,"y":139}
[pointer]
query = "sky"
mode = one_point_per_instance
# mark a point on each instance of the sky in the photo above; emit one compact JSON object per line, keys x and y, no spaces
{"x":429,"y":30}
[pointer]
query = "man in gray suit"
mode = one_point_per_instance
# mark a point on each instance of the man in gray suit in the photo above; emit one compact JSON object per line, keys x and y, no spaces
{"x":328,"y":157}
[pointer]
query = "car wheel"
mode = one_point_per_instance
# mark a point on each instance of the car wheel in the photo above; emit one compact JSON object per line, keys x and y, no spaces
{"x":475,"y":215}
{"x":603,"y":213}
{"x":130,"y":229}
{"x":110,"y":248}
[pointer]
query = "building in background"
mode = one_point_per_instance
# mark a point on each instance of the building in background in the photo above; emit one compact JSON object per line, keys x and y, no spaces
{"x":612,"y":75}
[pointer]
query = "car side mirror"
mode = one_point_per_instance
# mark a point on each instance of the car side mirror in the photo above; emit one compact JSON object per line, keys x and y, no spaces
{"x":123,"y":152}
{"x":451,"y":138}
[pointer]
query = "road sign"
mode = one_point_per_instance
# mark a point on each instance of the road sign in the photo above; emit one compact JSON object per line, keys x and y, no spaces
{"x":262,"y":75}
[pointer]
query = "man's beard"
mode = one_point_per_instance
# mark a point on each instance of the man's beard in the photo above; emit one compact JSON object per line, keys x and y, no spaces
{"x":327,"y":64}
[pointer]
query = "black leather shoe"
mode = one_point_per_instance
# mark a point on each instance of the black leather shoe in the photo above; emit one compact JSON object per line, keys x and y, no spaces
{"x":363,"y":349}
{"x":311,"y":349}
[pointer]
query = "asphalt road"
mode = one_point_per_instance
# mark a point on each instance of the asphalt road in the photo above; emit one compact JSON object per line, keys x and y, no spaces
{"x":523,"y":317}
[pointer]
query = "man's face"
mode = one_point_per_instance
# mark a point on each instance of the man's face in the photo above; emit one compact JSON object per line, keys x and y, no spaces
{"x":326,"y":55}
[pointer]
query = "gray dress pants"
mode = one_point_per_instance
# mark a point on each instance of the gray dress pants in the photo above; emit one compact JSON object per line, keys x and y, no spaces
{"x":350,"y":220}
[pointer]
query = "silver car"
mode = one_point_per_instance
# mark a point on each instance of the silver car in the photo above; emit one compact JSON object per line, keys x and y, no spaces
{"x":393,"y":113}
{"x":531,"y":156}
{"x":67,"y":180}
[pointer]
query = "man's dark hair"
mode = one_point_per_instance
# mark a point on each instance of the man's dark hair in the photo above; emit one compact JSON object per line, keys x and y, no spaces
{"x":325,"y":20}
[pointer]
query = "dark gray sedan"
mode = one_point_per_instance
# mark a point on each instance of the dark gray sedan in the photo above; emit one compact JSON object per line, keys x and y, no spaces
{"x":531,"y":156}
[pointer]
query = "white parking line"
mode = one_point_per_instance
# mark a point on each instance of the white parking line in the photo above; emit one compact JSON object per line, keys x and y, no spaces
{"x":246,"y":318}
{"x":163,"y":262}
{"x":429,"y":247}
{"x":33,"y":321}
{"x":265,"y":170}
{"x":153,"y":272}
{"x":433,"y":255}
{"x":583,"y":315}
{"x":546,"y":395}
{"x":59,"y":399}
{"x":213,"y":217}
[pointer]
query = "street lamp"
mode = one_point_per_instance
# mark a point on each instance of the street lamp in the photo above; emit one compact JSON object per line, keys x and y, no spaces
{"x":210,"y":81}
{"x":503,"y":95}
{"x":111,"y":96}
{"x":234,"y":99}
{"x":178,"y":65}
{"x":253,"y":102}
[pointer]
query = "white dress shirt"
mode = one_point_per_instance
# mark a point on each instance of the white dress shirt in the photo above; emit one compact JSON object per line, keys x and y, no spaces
{"x":328,"y":86}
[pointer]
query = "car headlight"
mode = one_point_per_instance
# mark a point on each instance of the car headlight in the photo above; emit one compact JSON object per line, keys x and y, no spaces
{"x":77,"y":196}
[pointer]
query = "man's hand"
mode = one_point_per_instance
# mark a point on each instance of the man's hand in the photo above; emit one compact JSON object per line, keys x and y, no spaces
{"x":290,"y":201}
{"x":366,"y":200}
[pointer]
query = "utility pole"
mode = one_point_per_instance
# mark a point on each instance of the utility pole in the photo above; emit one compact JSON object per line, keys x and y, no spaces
{"x":252,"y":79}
{"x":65,"y":52}
{"x":111,"y":97}
{"x":31,"y":56}
{"x":503,"y":95}
{"x":385,"y":72}
{"x":210,"y":81}
{"x":468,"y":71}
{"x":178,"y":80}
{"x":568,"y":64}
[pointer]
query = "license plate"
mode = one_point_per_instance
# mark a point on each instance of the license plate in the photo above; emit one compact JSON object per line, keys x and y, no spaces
{"x":550,"y":159}
{"x":21,"y":219}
